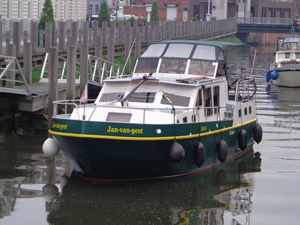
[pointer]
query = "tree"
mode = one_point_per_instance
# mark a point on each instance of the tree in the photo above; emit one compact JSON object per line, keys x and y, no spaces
{"x":47,"y":15}
{"x":104,"y":14}
{"x":154,"y":12}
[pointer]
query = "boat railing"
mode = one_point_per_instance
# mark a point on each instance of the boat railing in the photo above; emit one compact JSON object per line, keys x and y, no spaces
{"x":64,"y":109}
{"x":100,"y":69}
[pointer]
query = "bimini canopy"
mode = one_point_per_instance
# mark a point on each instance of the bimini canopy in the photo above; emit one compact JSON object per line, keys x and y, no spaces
{"x":195,"y":51}
{"x":286,"y":38}
{"x":204,"y":50}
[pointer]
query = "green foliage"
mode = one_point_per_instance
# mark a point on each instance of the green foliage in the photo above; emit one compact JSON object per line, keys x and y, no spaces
{"x":48,"y":9}
{"x":195,"y":19}
{"x":36,"y":73}
{"x":104,"y":14}
{"x":214,"y":18}
{"x":47,"y":15}
{"x":131,"y":20}
{"x":44,"y":18}
{"x":229,"y":40}
{"x":154,"y":13}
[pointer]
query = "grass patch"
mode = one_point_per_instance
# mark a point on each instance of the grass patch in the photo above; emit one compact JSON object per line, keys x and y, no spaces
{"x":236,"y":40}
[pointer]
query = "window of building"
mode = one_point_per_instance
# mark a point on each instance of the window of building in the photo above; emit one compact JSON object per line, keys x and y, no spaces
{"x":96,"y":9}
{"x":90,"y":9}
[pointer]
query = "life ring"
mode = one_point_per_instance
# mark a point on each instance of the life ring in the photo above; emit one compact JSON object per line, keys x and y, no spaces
{"x":199,"y":154}
{"x":257,"y":133}
{"x":242,"y":139}
{"x":222,"y":149}
{"x":176,"y":153}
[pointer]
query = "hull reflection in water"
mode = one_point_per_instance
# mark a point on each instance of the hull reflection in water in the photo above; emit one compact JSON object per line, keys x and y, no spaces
{"x":196,"y":199}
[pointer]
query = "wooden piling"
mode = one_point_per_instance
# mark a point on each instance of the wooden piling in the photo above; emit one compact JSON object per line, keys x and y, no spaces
{"x":48,"y":36}
{"x":53,"y":80}
{"x":74,"y":33}
{"x":28,"y":62}
{"x":138,"y":45}
{"x":83,"y":66}
{"x":34,"y":36}
{"x":11,"y":75}
{"x":61,"y":36}
{"x":85,"y":38}
{"x":71,"y":72}
{"x":17,"y":37}
{"x":1,"y":41}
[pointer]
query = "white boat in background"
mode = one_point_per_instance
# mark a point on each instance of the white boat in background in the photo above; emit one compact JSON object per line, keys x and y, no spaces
{"x":285,"y":70}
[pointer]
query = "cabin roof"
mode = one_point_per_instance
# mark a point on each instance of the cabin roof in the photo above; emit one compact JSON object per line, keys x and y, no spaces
{"x":222,"y":45}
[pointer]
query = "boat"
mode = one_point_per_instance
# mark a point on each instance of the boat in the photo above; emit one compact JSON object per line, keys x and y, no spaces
{"x":285,"y":70}
{"x":223,"y":195}
{"x":172,"y":116}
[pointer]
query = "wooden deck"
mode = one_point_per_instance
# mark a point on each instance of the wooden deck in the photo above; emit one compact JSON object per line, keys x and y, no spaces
{"x":36,"y":100}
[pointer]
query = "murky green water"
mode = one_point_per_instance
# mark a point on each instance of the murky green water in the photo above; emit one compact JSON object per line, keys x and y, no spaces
{"x":249,"y":190}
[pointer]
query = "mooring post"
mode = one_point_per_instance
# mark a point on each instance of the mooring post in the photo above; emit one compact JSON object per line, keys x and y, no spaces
{"x":48,"y":36}
{"x":127,"y":49}
{"x":62,"y":35}
{"x":71,"y":72}
{"x":111,"y":47}
{"x":11,"y":75}
{"x":17,"y":36}
{"x":74,"y":33}
{"x":104,"y":33}
{"x":138,"y":44}
{"x":1,"y":41}
{"x":53,"y":78}
{"x":34,"y":32}
{"x":83,"y":66}
{"x":28,"y":62}
{"x":85,"y":32}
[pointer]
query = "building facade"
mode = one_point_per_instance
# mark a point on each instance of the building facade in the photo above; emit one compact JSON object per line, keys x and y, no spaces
{"x":31,"y":9}
{"x":183,"y":10}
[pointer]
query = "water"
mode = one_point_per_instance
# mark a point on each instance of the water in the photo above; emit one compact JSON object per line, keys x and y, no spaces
{"x":262,"y":190}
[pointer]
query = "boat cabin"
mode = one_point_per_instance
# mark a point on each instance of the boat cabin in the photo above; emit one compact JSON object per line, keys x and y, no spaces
{"x":170,"y":75}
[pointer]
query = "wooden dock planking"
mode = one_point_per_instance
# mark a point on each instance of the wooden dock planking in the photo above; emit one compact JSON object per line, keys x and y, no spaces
{"x":38,"y":99}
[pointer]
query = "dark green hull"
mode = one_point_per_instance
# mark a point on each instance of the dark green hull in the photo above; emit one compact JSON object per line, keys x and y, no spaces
{"x":114,"y":151}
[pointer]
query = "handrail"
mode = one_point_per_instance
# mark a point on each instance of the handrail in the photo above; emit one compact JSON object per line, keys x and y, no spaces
{"x":170,"y":108}
{"x":10,"y":60}
{"x":264,"y":21}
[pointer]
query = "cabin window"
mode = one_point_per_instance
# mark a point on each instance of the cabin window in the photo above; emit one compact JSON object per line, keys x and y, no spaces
{"x":250,"y":109}
{"x":118,"y":117}
{"x":175,"y":100}
{"x":207,"y":101}
{"x":107,"y":97}
{"x":200,"y":67}
{"x":169,"y":65}
{"x":146,"y":97}
{"x":221,"y":69}
{"x":216,"y":98}
{"x":205,"y":52}
{"x":184,"y":119}
{"x":287,"y":55}
{"x":199,"y":98}
{"x":180,"y":50}
{"x":146,"y":65}
{"x":245,"y":111}
{"x":154,"y":50}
